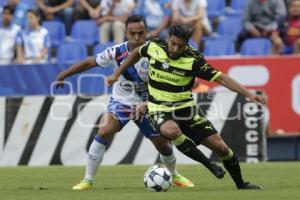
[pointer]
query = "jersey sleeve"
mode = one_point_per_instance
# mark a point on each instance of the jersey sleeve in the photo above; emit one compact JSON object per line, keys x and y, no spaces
{"x":106,"y":57}
{"x":144,"y":50}
{"x":205,"y":71}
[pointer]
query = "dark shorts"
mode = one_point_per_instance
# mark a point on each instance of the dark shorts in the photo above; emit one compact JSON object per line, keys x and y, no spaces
{"x":191,"y":121}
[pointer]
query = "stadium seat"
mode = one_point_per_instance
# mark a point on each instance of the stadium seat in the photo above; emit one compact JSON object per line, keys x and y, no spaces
{"x":218,"y":47}
{"x":256,"y":46}
{"x":85,"y":32}
{"x":57,"y":32}
{"x":230,"y":27}
{"x":101,"y":47}
{"x":2,"y":3}
{"x":239,"y":5}
{"x":215,"y":8}
{"x":70,"y":53}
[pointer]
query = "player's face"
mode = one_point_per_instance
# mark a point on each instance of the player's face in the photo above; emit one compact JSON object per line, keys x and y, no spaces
{"x":136,"y":34}
{"x":33,"y":20}
{"x":6,"y":17}
{"x":294,"y":9}
{"x":176,"y":47}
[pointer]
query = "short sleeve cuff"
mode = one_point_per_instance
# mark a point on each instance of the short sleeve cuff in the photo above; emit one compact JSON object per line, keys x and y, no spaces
{"x":215,"y":76}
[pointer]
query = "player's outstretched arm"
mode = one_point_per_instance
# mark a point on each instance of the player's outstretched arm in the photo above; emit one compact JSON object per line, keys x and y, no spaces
{"x":133,"y":58}
{"x":231,"y":84}
{"x":74,"y":69}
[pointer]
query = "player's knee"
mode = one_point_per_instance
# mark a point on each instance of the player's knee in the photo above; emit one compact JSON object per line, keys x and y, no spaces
{"x":222,"y":149}
{"x":170,"y":132}
{"x":105,"y":133}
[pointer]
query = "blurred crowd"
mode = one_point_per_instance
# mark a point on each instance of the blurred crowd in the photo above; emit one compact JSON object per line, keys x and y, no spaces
{"x":27,"y":37}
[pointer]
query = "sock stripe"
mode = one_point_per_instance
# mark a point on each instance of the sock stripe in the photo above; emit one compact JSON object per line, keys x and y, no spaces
{"x":179,"y":140}
{"x":101,"y":140}
{"x":228,"y":156}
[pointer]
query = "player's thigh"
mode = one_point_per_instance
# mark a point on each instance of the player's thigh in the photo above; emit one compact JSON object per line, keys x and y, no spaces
{"x":165,"y":124}
{"x":194,"y":124}
{"x":216,"y":144}
{"x":109,"y":125}
{"x":197,"y":131}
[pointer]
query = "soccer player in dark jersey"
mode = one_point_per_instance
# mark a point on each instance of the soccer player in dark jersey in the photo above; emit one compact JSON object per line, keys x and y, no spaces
{"x":173,"y":66}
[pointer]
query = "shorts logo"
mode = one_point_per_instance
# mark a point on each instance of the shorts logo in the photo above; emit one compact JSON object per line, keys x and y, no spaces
{"x":160,"y":120}
{"x":209,"y":127}
{"x":165,"y":65}
{"x":197,"y":118}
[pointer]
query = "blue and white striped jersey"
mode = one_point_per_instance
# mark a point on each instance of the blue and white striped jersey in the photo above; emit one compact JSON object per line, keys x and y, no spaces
{"x":132,"y":85}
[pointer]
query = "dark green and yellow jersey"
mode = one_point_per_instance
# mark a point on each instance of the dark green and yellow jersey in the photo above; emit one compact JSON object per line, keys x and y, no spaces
{"x":171,"y":81}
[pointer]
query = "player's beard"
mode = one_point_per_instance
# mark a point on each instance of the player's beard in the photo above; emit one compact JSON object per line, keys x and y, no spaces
{"x":174,"y":55}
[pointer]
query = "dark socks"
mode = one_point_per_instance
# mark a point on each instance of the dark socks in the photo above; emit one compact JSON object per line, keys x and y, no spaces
{"x":233,"y":167}
{"x":188,"y":148}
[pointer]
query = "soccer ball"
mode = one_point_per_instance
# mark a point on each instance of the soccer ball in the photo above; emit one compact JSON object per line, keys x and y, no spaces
{"x":157,"y":179}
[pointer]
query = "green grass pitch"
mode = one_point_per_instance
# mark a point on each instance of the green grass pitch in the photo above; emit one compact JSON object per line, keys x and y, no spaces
{"x":280,"y":181}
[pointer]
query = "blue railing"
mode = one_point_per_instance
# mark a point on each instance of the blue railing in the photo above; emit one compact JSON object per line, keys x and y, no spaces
{"x":20,"y":80}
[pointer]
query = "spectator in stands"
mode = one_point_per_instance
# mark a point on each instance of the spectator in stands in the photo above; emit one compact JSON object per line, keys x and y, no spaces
{"x":8,"y":37}
{"x":157,"y":15}
{"x":35,"y":40}
{"x":192,"y":12}
{"x":87,"y":9}
{"x":286,"y":39}
{"x":57,"y":9}
{"x":260,"y":18}
{"x":114,"y":13}
{"x":20,"y":10}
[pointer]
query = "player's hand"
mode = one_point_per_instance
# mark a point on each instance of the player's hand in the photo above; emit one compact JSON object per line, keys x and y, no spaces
{"x":139,"y":112}
{"x":59,"y":83}
{"x":111,"y":80}
{"x":258,"y":98}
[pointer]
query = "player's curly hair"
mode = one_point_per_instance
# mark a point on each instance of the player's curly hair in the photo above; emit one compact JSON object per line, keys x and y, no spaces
{"x":185,"y":32}
{"x":182,"y":31}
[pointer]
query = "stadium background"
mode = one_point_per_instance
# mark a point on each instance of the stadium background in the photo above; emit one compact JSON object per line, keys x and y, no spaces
{"x":38,"y":128}
{"x":253,"y":66}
